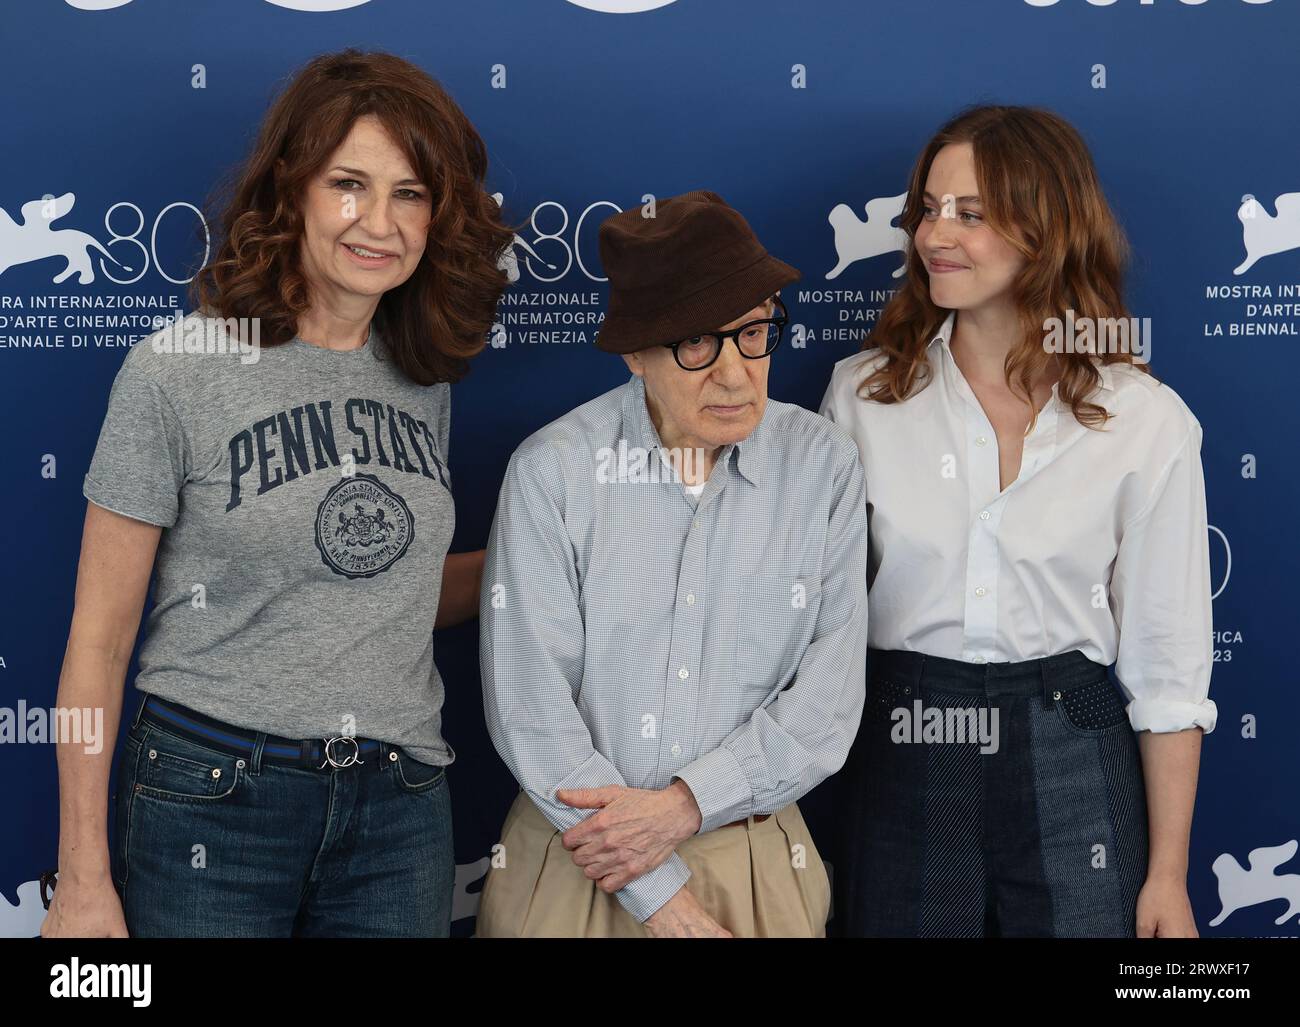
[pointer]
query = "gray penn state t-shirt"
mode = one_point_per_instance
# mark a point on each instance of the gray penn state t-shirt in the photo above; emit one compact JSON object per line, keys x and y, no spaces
{"x":292,"y":596}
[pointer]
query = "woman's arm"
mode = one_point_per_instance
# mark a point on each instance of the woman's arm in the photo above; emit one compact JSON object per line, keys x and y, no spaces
{"x":1160,"y":596}
{"x":1170,"y":763}
{"x":117,"y":555}
{"x":462,"y":576}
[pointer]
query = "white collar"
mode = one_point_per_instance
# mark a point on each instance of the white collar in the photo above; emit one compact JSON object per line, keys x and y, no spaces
{"x":944,"y":338}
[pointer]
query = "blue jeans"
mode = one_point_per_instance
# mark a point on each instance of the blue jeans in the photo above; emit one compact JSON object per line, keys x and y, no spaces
{"x":1043,"y":834}
{"x":212,"y":845}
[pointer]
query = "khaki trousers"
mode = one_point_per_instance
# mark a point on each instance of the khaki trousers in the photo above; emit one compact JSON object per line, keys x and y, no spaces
{"x":758,"y":880}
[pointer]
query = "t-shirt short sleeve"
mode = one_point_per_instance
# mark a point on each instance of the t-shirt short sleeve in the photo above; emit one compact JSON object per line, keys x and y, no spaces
{"x":444,"y":421}
{"x":140,"y":461}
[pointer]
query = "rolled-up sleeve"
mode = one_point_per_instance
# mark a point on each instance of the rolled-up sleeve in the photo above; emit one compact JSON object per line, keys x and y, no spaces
{"x":1160,"y":598}
{"x":531,"y":648}
{"x":803,"y":735}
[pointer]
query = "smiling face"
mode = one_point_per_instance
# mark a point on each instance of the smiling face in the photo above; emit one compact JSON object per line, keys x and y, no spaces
{"x":971,"y":266}
{"x":365,"y":196}
{"x":709,"y":408}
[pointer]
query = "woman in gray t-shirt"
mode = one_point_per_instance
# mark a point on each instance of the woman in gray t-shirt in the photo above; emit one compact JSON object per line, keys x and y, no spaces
{"x":276,"y":466}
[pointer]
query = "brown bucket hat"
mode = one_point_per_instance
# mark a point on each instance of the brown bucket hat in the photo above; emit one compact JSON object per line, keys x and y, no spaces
{"x":693,"y":267}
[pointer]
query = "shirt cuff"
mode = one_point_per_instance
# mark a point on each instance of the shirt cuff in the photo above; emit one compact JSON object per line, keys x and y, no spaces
{"x":595,"y":772}
{"x":721,"y":789}
{"x":643,"y":897}
{"x":1163,"y":715}
{"x":159,"y":512}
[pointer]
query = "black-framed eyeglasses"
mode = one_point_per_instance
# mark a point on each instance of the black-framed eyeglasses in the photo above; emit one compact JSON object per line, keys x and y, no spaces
{"x":754,"y":340}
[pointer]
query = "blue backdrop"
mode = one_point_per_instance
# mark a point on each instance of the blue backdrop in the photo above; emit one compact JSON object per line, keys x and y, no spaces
{"x":789,"y":110}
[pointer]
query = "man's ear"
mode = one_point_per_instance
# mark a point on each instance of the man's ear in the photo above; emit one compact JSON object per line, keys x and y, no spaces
{"x":634,"y":363}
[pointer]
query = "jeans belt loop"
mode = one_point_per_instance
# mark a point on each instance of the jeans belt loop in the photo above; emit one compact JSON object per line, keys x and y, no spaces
{"x":139,"y":710}
{"x":255,"y":763}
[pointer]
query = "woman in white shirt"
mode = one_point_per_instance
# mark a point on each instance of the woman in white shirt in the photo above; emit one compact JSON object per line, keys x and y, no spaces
{"x":1037,"y":513}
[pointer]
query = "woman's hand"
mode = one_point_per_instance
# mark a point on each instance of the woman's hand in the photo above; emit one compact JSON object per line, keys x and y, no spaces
{"x":84,"y":909}
{"x":1164,"y":910}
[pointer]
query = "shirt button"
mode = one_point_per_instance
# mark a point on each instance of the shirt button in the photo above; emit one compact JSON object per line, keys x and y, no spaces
{"x":984,"y":515}
{"x":676,"y":750}
{"x":979,"y":659}
{"x":683,"y":673}
{"x":690,"y":598}
{"x":980,"y":440}
{"x":981,"y":590}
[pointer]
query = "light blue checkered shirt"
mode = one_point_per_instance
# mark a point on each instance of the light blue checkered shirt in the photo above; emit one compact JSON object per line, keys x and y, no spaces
{"x":629,"y":636}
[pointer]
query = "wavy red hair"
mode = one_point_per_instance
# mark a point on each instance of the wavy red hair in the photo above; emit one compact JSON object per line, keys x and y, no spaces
{"x":1040,"y":192}
{"x":438,"y":318}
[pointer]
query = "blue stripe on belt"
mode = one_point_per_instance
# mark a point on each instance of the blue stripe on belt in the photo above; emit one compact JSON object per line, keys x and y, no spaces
{"x":157,"y":707}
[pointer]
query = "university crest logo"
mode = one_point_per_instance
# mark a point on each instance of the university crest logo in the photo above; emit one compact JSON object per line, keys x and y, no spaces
{"x":363,"y":527}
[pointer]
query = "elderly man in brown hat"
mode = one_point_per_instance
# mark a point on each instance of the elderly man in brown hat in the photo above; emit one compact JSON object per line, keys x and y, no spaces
{"x":673,"y":623}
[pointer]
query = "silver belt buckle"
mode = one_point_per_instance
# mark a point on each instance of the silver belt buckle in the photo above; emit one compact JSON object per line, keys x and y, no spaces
{"x":354,"y":757}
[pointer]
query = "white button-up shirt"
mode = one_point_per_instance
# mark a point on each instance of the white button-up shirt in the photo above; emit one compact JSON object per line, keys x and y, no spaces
{"x":1101,"y":544}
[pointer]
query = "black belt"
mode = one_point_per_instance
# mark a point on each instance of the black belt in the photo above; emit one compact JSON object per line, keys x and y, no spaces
{"x":306,"y":753}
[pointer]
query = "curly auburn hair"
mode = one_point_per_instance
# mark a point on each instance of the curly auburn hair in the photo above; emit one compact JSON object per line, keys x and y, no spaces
{"x":1040,"y":192}
{"x":439,"y":317}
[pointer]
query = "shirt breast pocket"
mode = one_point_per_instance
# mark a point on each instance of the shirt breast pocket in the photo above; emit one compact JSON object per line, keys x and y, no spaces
{"x":777,"y":615}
